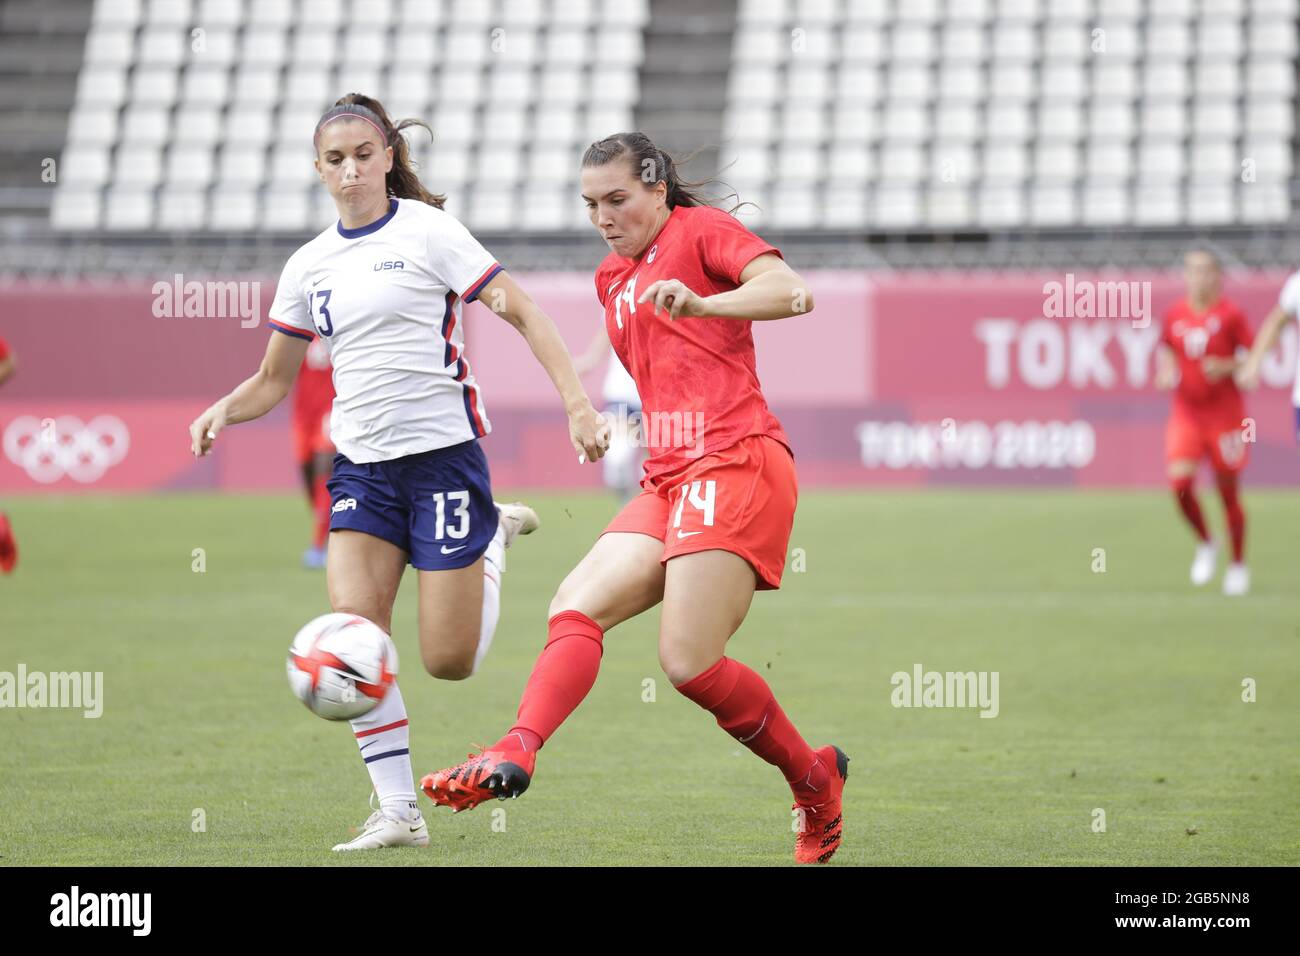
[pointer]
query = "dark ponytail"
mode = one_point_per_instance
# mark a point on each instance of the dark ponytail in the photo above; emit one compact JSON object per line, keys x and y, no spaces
{"x":653,"y":165}
{"x":401,"y":180}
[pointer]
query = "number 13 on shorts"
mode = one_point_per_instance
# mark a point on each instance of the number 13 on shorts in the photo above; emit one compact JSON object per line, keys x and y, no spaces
{"x":691,"y":492}
{"x":461,"y":513}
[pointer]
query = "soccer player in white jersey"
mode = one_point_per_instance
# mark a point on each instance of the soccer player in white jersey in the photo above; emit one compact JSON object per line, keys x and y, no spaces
{"x":383,"y":288}
{"x":1286,"y":310}
{"x":625,"y":455}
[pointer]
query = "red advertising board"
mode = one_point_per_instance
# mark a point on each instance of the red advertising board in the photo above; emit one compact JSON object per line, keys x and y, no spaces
{"x":909,"y":379}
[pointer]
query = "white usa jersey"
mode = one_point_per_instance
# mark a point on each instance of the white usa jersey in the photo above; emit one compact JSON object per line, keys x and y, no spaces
{"x":618,"y":387}
{"x":386,"y":301}
{"x":1289,"y":302}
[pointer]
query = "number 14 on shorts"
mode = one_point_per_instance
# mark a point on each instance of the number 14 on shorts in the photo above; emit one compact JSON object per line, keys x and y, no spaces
{"x":701,"y":495}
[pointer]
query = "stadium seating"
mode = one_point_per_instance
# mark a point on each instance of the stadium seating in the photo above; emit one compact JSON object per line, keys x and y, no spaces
{"x":901,"y":115}
{"x":1002,"y":114}
{"x":198,"y":114}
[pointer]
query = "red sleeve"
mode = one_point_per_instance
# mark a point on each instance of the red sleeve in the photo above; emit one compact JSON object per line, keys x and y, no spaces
{"x":726,"y":246}
{"x":4,"y":350}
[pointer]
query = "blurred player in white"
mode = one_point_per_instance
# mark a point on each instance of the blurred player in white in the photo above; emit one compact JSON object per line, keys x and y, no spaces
{"x":1286,"y":310}
{"x":623,"y":458}
{"x":383,"y":288}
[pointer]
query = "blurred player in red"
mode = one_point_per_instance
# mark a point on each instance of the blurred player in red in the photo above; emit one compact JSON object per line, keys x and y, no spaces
{"x":680,"y":288}
{"x":1197,"y":354}
{"x":8,"y":546}
{"x":313,"y":397}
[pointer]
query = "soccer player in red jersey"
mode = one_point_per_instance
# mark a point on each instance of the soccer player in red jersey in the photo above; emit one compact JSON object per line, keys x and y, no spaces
{"x":1197,"y":355}
{"x":312,"y":398}
{"x":680,"y":287}
{"x":8,"y":545}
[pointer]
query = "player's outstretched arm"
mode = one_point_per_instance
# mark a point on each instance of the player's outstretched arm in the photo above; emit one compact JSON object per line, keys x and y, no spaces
{"x":253,"y":397}
{"x":1166,"y":367}
{"x":1248,"y":377}
{"x":8,"y":366}
{"x":588,"y":432}
{"x":597,"y":351}
{"x":769,"y":289}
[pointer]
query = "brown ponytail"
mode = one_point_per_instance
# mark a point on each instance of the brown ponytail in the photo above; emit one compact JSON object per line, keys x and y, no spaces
{"x":401,"y":180}
{"x":653,"y":165}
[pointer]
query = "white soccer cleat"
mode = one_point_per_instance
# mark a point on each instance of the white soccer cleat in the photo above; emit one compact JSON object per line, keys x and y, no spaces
{"x":381,"y":831}
{"x":517,"y":518}
{"x":1236,"y":580}
{"x":1207,"y":554}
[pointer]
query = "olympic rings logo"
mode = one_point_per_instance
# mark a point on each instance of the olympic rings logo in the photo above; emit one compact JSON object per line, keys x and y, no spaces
{"x":48,"y":449}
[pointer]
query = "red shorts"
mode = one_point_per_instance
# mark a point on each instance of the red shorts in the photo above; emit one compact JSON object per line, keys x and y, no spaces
{"x":1217,"y":432}
{"x":311,"y":437}
{"x":740,"y":499}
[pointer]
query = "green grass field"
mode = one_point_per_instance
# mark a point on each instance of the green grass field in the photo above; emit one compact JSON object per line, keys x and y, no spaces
{"x":1119,"y":690}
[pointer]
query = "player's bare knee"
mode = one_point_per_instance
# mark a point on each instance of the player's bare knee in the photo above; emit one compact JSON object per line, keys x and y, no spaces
{"x":566,"y":595}
{"x":679,"y":666}
{"x":449,"y":666}
{"x":569,"y":597}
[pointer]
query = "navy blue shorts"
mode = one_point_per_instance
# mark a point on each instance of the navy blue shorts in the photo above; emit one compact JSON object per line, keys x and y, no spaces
{"x":436,"y":506}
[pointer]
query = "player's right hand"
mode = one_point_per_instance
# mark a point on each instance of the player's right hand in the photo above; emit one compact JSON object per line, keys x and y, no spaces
{"x":589,"y":433}
{"x":205,"y":428}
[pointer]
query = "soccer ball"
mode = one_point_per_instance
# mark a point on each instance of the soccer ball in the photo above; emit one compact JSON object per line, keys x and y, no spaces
{"x":341,"y":665}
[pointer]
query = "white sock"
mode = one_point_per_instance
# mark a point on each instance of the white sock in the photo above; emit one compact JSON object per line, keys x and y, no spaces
{"x":384,"y":738}
{"x":494,"y":565}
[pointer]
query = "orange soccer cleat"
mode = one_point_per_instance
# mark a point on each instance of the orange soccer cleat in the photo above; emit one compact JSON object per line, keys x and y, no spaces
{"x":822,"y":824}
{"x":490,"y":773}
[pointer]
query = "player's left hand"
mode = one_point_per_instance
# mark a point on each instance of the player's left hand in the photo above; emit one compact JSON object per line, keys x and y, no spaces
{"x":673,"y":296}
{"x":589,"y":433}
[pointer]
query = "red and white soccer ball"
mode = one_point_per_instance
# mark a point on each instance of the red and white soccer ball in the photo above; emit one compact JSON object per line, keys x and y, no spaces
{"x":341,"y":666}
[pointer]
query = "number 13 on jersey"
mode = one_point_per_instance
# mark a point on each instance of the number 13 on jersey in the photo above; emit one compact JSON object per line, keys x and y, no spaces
{"x":323,"y":308}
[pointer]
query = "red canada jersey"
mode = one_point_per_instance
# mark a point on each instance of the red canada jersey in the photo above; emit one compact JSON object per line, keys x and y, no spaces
{"x":4,"y":350}
{"x":314,"y":393}
{"x":696,"y":376}
{"x":1218,"y":331}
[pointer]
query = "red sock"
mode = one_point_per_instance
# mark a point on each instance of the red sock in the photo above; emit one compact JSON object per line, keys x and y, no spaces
{"x":745,"y":708}
{"x":321,"y":502}
{"x":564,"y":673}
{"x":1191,"y":508}
{"x":1236,"y":516}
